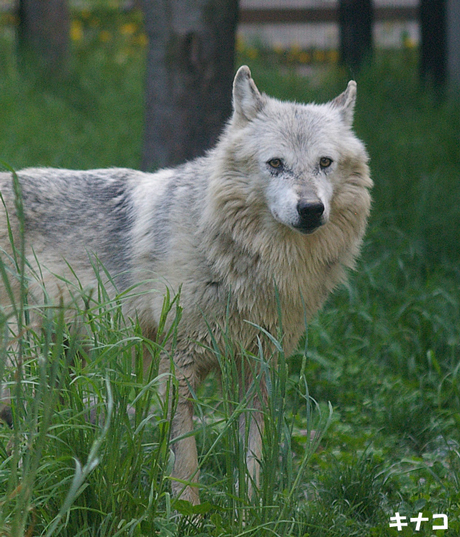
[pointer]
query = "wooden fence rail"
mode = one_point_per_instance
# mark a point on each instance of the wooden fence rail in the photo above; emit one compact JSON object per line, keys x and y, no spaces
{"x":302,"y":15}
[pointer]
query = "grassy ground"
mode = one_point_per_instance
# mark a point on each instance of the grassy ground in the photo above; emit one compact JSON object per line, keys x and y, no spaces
{"x":383,"y":354}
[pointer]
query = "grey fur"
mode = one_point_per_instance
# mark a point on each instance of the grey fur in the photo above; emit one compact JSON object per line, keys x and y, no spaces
{"x":280,"y":205}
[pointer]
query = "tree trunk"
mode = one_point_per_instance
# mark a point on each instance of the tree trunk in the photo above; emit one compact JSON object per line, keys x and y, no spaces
{"x":355,"y":19}
{"x":189,"y":77}
{"x":43,"y":36}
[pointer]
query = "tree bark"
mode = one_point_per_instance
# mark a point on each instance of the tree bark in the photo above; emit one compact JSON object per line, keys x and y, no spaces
{"x":43,"y":36}
{"x":189,"y":77}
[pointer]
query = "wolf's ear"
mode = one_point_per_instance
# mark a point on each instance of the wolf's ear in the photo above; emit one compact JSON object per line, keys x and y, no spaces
{"x":345,"y":102}
{"x":247,"y":100}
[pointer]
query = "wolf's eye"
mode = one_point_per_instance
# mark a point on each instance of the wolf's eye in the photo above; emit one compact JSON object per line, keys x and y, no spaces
{"x":275,"y":163}
{"x":325,"y":162}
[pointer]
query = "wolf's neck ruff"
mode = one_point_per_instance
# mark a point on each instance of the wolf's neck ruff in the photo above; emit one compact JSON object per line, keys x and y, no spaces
{"x":253,"y":254}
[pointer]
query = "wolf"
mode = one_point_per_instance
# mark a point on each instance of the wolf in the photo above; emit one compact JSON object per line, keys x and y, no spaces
{"x":261,"y":228}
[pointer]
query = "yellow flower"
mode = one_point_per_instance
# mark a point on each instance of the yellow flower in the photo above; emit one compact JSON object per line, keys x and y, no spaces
{"x":142,"y":40}
{"x":76,"y":30}
{"x":128,"y":29}
{"x":239,"y":44}
{"x":105,"y":36}
{"x":304,"y":57}
{"x":319,"y":56}
{"x":334,"y":56}
{"x":408,"y":42}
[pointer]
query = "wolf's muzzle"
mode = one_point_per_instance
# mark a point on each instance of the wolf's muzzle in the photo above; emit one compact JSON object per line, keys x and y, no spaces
{"x":311,"y":213}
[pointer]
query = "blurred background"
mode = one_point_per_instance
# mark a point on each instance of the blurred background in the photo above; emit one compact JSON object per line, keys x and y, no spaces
{"x":51,"y":39}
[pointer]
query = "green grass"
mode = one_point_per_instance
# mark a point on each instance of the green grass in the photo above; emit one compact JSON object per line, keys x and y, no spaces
{"x":384,"y":352}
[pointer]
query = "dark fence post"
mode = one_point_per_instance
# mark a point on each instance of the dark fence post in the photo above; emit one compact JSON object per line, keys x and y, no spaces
{"x":43,"y":37}
{"x":453,"y":42}
{"x":433,"y":51}
{"x":355,"y":19}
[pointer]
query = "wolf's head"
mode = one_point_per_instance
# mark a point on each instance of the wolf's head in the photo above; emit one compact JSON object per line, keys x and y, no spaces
{"x":294,"y":158}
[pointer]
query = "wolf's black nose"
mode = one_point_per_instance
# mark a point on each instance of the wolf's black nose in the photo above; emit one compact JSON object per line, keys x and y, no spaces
{"x":310,"y":215}
{"x":310,"y":210}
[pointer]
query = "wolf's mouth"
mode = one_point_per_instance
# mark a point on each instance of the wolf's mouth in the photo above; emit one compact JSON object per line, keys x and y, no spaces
{"x":308,"y":228}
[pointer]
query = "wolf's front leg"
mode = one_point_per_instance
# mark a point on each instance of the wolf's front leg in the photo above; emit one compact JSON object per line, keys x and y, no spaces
{"x":251,"y":427}
{"x":185,"y":452}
